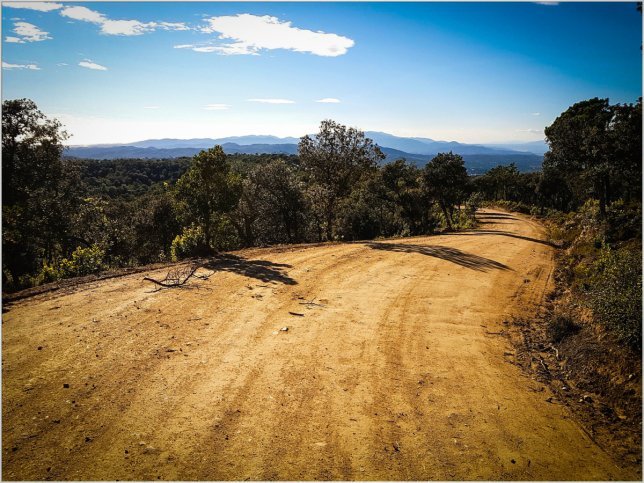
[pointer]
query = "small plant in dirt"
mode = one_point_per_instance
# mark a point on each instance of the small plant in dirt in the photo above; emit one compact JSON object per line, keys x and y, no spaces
{"x":559,"y":326}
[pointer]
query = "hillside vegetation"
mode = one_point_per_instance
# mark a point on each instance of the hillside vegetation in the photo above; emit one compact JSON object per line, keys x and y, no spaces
{"x":68,"y":218}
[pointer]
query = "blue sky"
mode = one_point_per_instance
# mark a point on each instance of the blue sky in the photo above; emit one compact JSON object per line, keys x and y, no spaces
{"x":470,"y":72}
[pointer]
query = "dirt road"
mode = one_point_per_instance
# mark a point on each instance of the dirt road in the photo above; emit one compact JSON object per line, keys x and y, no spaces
{"x":392,"y":368}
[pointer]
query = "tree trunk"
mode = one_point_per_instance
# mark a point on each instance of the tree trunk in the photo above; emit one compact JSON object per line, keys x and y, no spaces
{"x":446,"y":214}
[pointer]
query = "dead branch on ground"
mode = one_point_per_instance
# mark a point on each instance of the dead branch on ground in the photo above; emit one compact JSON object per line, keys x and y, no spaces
{"x":179,"y":276}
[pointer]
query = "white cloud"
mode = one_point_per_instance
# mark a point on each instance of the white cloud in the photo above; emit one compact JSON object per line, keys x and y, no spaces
{"x":119,"y":27}
{"x":14,"y":40}
{"x":536,"y":113}
{"x":251,"y":34}
{"x":173,"y":26}
{"x":126,"y":27}
{"x":6,"y":65}
{"x":272,"y":101}
{"x":61,"y":64}
{"x":531,"y":131}
{"x":40,"y":6}
{"x":29,"y":32}
{"x":84,"y":14}
{"x":550,"y":4}
{"x":329,"y":100}
{"x":88,"y":64}
{"x":217,"y":107}
{"x":206,"y":48}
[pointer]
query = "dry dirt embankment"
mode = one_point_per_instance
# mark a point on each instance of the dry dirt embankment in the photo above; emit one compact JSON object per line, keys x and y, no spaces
{"x":394,"y":371}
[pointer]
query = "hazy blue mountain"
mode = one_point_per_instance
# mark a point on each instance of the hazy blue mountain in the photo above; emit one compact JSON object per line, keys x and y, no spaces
{"x":475,"y":163}
{"x":129,"y":151}
{"x":535,"y":147}
{"x":201,"y":143}
{"x":429,"y":146}
{"x":423,"y":146}
{"x":478,"y":159}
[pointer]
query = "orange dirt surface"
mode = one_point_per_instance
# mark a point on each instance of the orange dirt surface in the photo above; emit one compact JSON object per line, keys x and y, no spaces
{"x":392,"y":368}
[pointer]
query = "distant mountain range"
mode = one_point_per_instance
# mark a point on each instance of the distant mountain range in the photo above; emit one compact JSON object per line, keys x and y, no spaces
{"x":478,"y":158}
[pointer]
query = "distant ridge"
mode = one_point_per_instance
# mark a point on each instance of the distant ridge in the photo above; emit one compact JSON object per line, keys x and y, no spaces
{"x":478,"y":158}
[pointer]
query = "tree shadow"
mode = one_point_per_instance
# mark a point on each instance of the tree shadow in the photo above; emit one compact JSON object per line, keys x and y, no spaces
{"x":260,"y":269}
{"x":495,"y":216}
{"x":454,"y":255}
{"x":500,"y":233}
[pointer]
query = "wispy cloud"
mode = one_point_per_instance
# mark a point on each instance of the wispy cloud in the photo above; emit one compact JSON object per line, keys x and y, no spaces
{"x":251,"y":34}
{"x":126,"y":27}
{"x":272,"y":101}
{"x":173,"y":26}
{"x":61,"y":64}
{"x":27,"y":32}
{"x":550,"y":4}
{"x":536,"y":113}
{"x":151,"y":107}
{"x":329,"y":100}
{"x":40,"y":6}
{"x":88,"y":64}
{"x":6,"y":65}
{"x":118,"y":27}
{"x":199,"y":48}
{"x":216,"y":107}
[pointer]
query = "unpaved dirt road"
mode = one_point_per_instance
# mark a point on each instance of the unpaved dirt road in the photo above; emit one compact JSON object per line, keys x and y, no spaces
{"x":394,"y":371}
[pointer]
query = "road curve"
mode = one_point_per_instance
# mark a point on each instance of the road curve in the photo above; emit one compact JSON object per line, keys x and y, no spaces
{"x":392,"y":368}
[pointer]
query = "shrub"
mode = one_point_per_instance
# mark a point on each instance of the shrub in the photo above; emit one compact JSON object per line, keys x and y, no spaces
{"x":614,"y":293}
{"x":83,"y":261}
{"x":190,"y":243}
{"x":623,"y":221}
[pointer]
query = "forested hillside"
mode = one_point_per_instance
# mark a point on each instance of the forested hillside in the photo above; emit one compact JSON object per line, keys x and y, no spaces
{"x":68,"y":217}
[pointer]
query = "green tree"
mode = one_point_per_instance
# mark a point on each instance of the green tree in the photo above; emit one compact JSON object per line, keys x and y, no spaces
{"x":334,"y":160}
{"x":446,"y":182}
{"x":596,"y":145}
{"x":403,"y":186}
{"x":31,"y":151}
{"x":38,"y":190}
{"x":207,"y":192}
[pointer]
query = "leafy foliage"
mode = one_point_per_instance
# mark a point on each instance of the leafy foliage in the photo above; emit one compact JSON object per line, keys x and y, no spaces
{"x":446,"y":183}
{"x":334,"y":160}
{"x":614,"y":292}
{"x":83,"y":261}
{"x":597,"y":147}
{"x":206,"y":192}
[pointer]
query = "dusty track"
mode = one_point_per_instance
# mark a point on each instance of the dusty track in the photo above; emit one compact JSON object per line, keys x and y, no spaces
{"x":395,"y":371}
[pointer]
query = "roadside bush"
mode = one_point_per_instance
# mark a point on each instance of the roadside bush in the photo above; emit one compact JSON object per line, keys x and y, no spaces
{"x":614,"y":293}
{"x":83,"y":261}
{"x":191,"y":243}
{"x":623,"y":221}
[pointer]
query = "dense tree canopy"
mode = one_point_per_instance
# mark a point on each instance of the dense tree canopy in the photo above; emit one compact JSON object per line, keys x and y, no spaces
{"x":596,"y":147}
{"x":207,"y":192}
{"x":446,"y":182}
{"x":334,"y":160}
